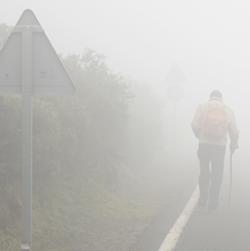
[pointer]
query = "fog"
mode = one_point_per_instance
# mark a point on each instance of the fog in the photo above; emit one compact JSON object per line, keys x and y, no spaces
{"x":209,"y":40}
{"x":142,"y":40}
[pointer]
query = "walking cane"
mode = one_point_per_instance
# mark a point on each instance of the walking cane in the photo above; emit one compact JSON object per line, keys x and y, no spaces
{"x":231,"y":180}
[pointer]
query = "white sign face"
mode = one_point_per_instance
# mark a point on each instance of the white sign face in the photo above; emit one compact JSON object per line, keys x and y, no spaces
{"x":49,"y":74}
{"x":11,"y":65}
{"x":175,"y":76}
{"x":175,"y":93}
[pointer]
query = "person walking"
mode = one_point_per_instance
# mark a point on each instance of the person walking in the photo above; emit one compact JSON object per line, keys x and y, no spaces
{"x":212,"y":122}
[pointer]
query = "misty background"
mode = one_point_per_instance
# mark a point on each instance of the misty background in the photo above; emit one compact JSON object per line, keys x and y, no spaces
{"x":119,"y":53}
{"x":143,"y":39}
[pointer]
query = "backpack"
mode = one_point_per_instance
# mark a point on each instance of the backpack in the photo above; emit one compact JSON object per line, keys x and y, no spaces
{"x":215,"y":121}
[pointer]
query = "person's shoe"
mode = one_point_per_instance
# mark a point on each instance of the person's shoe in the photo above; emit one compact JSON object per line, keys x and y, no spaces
{"x":200,"y":208}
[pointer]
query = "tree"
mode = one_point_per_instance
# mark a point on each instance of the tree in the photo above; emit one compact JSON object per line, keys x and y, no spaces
{"x":96,"y":117}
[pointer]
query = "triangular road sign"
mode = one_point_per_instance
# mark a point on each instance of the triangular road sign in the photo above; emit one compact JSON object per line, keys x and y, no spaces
{"x":175,"y":76}
{"x":28,"y":18}
{"x":49,"y":74}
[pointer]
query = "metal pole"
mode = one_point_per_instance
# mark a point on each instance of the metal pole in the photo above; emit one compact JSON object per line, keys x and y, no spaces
{"x":26,"y":139}
{"x":174,"y":127}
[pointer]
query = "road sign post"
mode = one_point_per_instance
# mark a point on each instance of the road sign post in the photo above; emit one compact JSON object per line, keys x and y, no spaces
{"x":26,"y":138}
{"x":29,"y":65}
{"x":175,"y":94}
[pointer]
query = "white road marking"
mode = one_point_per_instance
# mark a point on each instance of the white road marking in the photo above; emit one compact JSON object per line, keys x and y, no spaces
{"x":172,"y":237}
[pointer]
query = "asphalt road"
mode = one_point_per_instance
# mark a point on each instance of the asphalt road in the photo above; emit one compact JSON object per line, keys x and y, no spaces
{"x":227,"y":230}
{"x":156,"y":232}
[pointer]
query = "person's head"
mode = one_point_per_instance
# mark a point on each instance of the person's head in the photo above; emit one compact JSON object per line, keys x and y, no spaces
{"x":216,"y":94}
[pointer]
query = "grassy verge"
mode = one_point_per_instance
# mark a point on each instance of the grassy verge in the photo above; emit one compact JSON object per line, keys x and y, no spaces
{"x":90,"y":217}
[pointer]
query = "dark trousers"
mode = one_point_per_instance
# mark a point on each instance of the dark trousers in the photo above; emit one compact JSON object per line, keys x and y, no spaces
{"x":210,"y":178}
